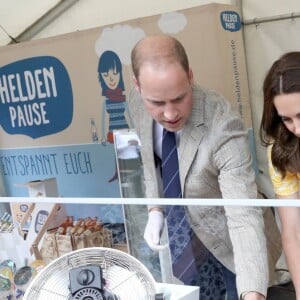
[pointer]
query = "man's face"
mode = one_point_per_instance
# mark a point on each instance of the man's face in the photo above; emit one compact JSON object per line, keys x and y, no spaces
{"x":167,"y":94}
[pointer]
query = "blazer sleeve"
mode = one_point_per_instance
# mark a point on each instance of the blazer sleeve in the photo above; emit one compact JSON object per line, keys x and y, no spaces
{"x":246,"y":230}
{"x":245,"y":224}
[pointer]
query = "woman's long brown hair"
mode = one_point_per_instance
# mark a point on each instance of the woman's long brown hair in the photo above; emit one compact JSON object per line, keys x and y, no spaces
{"x":282,"y":78}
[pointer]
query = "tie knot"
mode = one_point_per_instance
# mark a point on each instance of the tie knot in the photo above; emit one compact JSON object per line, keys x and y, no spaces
{"x":165,"y":131}
{"x":168,"y":140}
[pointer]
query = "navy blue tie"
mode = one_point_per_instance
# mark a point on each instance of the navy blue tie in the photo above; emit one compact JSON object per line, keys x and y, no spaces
{"x":190,"y":258}
{"x":179,"y":230}
{"x":169,"y":166}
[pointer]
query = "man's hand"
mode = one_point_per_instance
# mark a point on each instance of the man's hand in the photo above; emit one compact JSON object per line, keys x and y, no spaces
{"x":254,"y":296}
{"x":154,"y":229}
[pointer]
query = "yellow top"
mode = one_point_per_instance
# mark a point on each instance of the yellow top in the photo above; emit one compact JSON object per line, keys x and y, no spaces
{"x":283,"y":186}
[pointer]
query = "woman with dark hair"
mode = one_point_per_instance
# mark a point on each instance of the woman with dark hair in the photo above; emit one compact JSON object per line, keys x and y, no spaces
{"x":280,"y":132}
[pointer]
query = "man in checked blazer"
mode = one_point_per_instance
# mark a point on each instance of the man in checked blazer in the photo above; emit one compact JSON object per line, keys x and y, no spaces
{"x":214,"y":162}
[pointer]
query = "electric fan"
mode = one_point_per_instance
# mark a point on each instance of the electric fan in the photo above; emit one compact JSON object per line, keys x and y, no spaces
{"x":96,"y":273}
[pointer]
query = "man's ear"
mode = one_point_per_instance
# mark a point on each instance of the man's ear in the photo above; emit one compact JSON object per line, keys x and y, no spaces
{"x":191,"y":76}
{"x":136,"y":84}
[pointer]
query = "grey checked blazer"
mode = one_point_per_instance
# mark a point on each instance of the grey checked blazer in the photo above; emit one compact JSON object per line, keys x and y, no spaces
{"x":215,"y":162}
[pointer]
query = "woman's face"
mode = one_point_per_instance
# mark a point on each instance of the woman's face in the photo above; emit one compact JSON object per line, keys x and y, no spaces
{"x":288,"y":108}
{"x":111,"y":78}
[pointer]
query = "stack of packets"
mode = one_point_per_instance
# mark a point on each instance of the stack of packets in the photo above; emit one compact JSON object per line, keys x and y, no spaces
{"x":73,"y":235}
{"x":13,"y":281}
{"x":81,"y":226}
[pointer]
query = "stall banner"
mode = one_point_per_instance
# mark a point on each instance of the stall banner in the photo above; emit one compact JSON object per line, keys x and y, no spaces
{"x":58,"y":108}
{"x":61,"y":98}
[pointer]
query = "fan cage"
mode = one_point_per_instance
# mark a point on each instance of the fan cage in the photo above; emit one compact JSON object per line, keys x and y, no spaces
{"x":124,"y":275}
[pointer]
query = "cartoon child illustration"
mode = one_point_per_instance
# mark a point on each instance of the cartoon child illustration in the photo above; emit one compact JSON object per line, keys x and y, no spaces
{"x":114,"y":105}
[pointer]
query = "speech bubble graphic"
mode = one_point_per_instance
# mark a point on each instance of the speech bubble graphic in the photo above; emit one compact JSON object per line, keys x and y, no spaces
{"x":36,"y":97}
{"x":172,"y":22}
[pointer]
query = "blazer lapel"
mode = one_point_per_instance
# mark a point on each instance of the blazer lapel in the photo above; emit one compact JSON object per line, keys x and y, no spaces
{"x":191,"y":136}
{"x":189,"y":144}
{"x":148,"y":157}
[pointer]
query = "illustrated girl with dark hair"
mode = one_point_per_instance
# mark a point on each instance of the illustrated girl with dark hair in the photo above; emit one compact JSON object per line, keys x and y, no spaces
{"x":114,"y":105}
